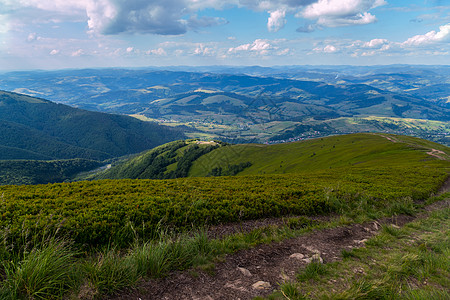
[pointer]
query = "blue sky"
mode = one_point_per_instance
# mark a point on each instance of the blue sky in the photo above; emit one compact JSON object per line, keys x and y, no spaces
{"x":54,"y":34}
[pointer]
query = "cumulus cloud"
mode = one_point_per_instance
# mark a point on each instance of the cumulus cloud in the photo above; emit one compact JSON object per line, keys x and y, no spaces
{"x":159,"y":51}
{"x":175,"y":17}
{"x":138,"y":16}
{"x":386,"y":46}
{"x":326,"y":49}
{"x":260,"y":46}
{"x":443,"y":35}
{"x":276,"y":20}
{"x":375,"y":43}
{"x":335,"y":13}
{"x":201,"y":49}
{"x":108,"y":17}
{"x":429,"y":42}
{"x":164,"y":17}
{"x":79,"y":52}
{"x":54,"y":52}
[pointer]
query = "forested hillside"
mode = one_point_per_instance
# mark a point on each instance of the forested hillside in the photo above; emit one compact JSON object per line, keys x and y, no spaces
{"x":171,"y":160}
{"x":33,"y":128}
{"x":20,"y":172}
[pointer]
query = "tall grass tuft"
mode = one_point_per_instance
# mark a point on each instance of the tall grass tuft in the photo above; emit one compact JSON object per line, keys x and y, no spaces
{"x":363,"y":289}
{"x":289,"y":291}
{"x":110,"y":272}
{"x":403,"y":206}
{"x":312,"y":271}
{"x":150,"y":259}
{"x":46,"y":272}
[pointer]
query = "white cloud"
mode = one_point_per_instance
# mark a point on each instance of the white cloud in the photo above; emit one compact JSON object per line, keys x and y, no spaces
{"x":203,"y":50}
{"x":165,"y":17}
{"x":100,"y":13}
{"x":79,"y":52}
{"x":54,"y":52}
{"x":32,"y":37}
{"x":178,"y":52}
{"x":431,"y":37}
{"x":130,"y":49}
{"x":376,"y":43}
{"x":159,"y":51}
{"x":175,"y":17}
{"x":329,"y":49}
{"x":258,"y":47}
{"x":326,"y":49}
{"x":244,"y":47}
{"x":433,"y":42}
{"x":335,"y":13}
{"x":276,"y":20}
{"x":284,"y":51}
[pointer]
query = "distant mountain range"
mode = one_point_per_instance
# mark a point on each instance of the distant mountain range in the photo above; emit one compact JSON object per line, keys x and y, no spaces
{"x":33,"y":128}
{"x":411,"y":92}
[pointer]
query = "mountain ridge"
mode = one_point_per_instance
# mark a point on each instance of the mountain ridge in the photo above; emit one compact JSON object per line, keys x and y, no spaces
{"x":341,"y":151}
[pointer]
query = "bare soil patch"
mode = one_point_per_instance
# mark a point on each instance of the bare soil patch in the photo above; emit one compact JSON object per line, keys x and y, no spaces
{"x":438,"y":154}
{"x":246,"y":226}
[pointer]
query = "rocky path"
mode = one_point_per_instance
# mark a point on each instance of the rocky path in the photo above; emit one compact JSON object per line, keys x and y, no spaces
{"x":433,"y":152}
{"x":258,"y":271}
{"x":438,"y":154}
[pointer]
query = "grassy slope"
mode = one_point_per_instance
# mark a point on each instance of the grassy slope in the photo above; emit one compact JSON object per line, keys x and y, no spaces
{"x":358,"y":150}
{"x":362,"y":165}
{"x":115,"y":212}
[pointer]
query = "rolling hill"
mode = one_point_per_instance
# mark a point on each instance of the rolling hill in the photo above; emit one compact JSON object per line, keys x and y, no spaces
{"x":171,"y":160}
{"x":360,"y":151}
{"x":33,"y":128}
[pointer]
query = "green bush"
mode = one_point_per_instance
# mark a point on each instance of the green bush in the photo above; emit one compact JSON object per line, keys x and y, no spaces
{"x":100,"y":212}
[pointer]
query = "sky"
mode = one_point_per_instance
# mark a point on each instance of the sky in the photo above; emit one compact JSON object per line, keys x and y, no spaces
{"x":57,"y":34}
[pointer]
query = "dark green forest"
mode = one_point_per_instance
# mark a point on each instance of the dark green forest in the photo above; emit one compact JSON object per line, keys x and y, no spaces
{"x":33,"y":128}
{"x":40,"y":172}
